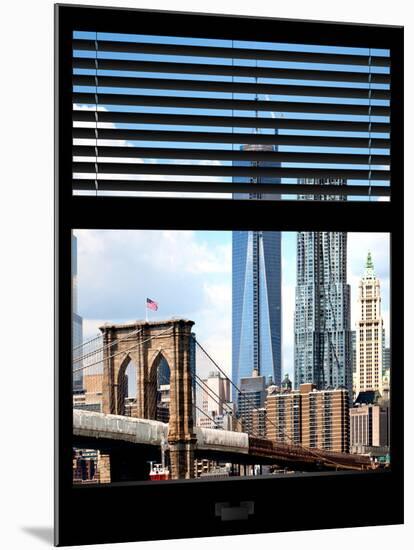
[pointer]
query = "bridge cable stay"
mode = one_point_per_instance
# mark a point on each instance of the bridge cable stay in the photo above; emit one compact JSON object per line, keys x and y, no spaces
{"x":206,"y":389}
{"x":203,"y":390}
{"x":206,"y":392}
{"x":220,"y":401}
{"x":86,"y":342}
{"x":209,"y":417}
{"x":308,"y":450}
{"x":91,"y":350}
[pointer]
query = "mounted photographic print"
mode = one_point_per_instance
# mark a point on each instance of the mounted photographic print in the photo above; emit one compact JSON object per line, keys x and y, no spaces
{"x":229,"y":303}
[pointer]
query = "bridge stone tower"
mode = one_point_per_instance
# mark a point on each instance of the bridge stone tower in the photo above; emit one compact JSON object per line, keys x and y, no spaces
{"x":146,"y":344}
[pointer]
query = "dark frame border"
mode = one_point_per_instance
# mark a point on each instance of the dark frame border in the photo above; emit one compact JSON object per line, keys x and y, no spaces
{"x":334,"y":504}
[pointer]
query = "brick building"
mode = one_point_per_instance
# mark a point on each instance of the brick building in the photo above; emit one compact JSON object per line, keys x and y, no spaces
{"x":309,"y":417}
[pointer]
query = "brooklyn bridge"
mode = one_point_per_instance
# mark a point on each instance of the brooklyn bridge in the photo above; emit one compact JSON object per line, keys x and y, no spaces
{"x":128,"y":437}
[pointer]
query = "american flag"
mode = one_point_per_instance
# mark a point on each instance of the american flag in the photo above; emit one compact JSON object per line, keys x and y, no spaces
{"x":151,"y":304}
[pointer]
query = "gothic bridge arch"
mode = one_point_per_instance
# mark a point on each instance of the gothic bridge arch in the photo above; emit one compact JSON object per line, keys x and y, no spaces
{"x":146,"y":344}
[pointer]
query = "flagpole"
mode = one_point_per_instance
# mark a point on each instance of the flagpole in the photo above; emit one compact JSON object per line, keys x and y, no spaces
{"x":146,"y":311}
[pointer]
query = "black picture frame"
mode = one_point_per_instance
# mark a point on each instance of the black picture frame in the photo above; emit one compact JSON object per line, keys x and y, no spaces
{"x":122,"y":512}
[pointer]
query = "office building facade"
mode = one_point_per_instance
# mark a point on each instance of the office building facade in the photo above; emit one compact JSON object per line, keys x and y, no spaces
{"x":283,"y":416}
{"x":252,"y":396}
{"x":370,"y":332}
{"x":369,"y":427}
{"x":309,"y":417}
{"x":90,"y":397}
{"x":322,"y":339}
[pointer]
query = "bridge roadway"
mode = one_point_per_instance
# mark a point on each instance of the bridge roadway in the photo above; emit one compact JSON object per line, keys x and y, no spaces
{"x":98,"y":430}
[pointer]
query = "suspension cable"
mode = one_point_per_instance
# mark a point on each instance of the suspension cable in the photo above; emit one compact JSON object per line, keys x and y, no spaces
{"x":87,"y":342}
{"x":217,"y":402}
{"x":220,"y":401}
{"x":209,"y":417}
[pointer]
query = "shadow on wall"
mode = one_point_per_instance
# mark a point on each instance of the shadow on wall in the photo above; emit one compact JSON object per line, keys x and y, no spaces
{"x":44,"y":534}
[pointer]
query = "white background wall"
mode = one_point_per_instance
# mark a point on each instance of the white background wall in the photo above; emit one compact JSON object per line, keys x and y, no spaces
{"x":26,"y":273}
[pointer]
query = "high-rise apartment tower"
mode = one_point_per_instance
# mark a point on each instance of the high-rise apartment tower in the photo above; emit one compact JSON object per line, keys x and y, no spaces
{"x":322,"y":347}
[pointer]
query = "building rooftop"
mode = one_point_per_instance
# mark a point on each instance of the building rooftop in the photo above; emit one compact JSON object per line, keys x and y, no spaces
{"x":369,"y":397}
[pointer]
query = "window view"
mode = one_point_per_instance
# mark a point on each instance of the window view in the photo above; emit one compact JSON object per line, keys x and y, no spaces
{"x":218,"y":354}
{"x":178,"y":116}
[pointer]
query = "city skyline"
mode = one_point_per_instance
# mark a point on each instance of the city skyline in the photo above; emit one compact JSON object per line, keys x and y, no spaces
{"x":189,"y":274}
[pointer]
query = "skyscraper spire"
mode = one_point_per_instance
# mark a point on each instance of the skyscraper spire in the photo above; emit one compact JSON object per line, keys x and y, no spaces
{"x":369,"y":266}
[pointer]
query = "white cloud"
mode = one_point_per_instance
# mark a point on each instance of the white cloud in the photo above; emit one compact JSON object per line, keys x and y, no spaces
{"x":187,"y":277}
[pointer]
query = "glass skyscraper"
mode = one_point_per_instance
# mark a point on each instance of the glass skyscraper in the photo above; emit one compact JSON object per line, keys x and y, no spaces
{"x":322,"y":349}
{"x":256,"y":295}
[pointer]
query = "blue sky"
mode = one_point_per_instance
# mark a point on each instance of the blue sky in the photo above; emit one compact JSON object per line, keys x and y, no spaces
{"x":189,"y":274}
